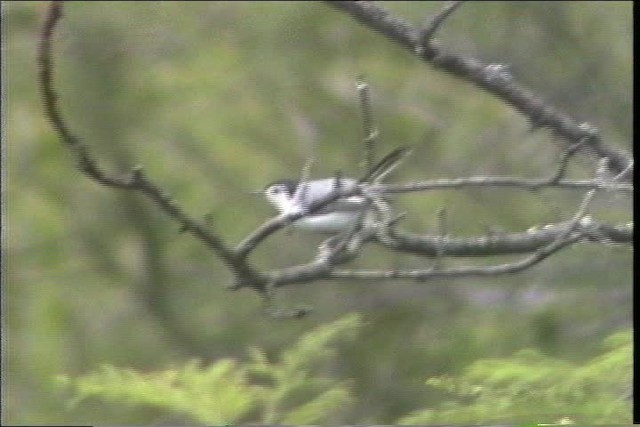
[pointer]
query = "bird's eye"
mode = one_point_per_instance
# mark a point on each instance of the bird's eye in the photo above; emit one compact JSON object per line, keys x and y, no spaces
{"x":274,"y":191}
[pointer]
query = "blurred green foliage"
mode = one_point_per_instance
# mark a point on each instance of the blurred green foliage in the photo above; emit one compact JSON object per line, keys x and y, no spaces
{"x":504,"y":390}
{"x":288,"y":392}
{"x":218,"y":98}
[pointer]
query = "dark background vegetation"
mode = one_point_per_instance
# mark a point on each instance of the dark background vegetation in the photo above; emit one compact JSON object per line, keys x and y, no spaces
{"x":217,"y":99}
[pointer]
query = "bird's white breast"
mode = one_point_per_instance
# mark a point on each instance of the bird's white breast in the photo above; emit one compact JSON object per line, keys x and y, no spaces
{"x":333,"y":222}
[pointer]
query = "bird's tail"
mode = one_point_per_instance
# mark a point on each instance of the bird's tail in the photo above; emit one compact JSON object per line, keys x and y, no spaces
{"x":386,"y":165}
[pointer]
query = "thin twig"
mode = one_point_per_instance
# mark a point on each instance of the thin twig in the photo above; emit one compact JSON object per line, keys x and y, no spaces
{"x":625,"y":174}
{"x":344,"y":246}
{"x":368,"y":123}
{"x":564,"y":161}
{"x":305,"y":174}
{"x":471,"y":271}
{"x":499,"y":181}
{"x":426,"y":34}
{"x":443,"y":233}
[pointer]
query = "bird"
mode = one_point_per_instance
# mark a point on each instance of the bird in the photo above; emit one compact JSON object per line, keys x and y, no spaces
{"x":290,"y":197}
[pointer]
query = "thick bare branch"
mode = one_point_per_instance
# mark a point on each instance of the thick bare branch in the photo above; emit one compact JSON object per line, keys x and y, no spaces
{"x":136,"y":180}
{"x":574,"y":232}
{"x":485,"y":76}
{"x":50,"y":102}
{"x":314,"y":271}
{"x":496,"y":244}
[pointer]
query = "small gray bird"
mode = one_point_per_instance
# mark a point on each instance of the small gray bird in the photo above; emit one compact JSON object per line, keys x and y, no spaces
{"x":290,"y":197}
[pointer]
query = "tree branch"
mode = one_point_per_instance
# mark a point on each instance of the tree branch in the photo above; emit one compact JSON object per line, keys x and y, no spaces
{"x":136,"y":179}
{"x":500,"y":181}
{"x":488,"y":77}
{"x":368,"y":124}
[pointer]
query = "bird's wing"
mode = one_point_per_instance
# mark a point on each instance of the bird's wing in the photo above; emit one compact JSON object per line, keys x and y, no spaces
{"x":325,"y":187}
{"x":349,"y":204}
{"x":386,"y":165}
{"x":322,"y":188}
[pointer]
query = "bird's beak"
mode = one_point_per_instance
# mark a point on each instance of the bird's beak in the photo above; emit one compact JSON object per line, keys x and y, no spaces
{"x":255,"y":192}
